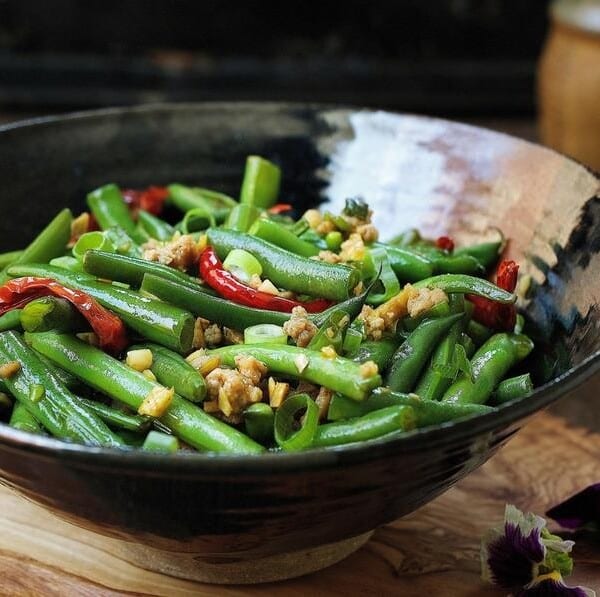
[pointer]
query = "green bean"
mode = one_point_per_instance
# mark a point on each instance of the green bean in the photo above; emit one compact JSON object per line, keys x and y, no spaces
{"x":408,"y":265}
{"x":9,"y":258}
{"x":49,"y":243}
{"x":157,"y":321}
{"x":260,"y":185}
{"x":173,"y":371}
{"x":287,"y":270}
{"x":273,"y":233}
{"x":22,"y":419}
{"x":293,"y":433}
{"x":468,"y":344}
{"x":52,"y":313}
{"x":155,"y":227}
{"x":65,"y":378}
{"x":427,"y":412}
{"x":478,"y":332}
{"x":117,"y":418}
{"x":115,"y":379}
{"x":489,"y":365}
{"x":463,"y":284}
{"x":67,"y":262}
{"x":486,"y":253}
{"x":370,"y":426}
{"x":58,"y":410}
{"x":408,"y":361}
{"x":186,"y":198}
{"x":11,"y":320}
{"x":434,"y":381}
{"x":242,"y":217}
{"x":109,"y":209}
{"x":458,"y":264}
{"x":512,"y":389}
{"x":131,"y":270}
{"x":406,"y":238}
{"x":338,"y":374}
{"x":259,"y":421}
{"x":225,"y":312}
{"x":378,"y":351}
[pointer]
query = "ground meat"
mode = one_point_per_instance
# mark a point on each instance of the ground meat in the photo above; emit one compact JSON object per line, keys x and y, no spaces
{"x":368,"y":232}
{"x":328,"y":256}
{"x":353,"y":249}
{"x":299,"y":327}
{"x":181,"y":253}
{"x":213,"y":335}
{"x":424,"y":299}
{"x":323,"y":399}
{"x":233,"y":336}
{"x":313,"y":217}
{"x":232,"y":390}
{"x":374,"y":323}
{"x":325,"y":227}
{"x":250,"y":367}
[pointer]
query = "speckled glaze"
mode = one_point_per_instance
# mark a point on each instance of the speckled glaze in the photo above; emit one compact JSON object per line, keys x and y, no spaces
{"x":447,"y":178}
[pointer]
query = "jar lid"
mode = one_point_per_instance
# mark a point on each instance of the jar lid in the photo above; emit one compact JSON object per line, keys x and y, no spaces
{"x":580,"y":14}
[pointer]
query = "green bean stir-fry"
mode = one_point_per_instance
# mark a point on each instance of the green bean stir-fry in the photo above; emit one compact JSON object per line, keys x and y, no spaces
{"x":235,"y":328}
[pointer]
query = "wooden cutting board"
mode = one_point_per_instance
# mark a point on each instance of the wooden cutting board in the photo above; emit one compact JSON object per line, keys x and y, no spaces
{"x":433,"y":551}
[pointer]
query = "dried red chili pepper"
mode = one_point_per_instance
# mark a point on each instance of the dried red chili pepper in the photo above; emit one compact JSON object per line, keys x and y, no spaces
{"x":497,"y":315}
{"x":445,"y":243}
{"x":229,"y":287}
{"x":280,"y":208}
{"x":151,"y":199}
{"x":106,"y":325}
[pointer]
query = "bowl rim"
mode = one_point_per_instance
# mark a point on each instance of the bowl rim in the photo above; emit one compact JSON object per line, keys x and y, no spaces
{"x":504,"y":417}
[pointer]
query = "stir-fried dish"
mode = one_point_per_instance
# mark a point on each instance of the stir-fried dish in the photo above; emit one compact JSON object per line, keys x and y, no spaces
{"x":177,"y":318}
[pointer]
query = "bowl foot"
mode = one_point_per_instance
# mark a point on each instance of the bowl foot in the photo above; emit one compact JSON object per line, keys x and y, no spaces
{"x":244,"y":571}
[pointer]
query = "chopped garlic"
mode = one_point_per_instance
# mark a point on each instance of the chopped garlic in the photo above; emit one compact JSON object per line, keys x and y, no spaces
{"x":278,"y":391}
{"x":328,"y":352}
{"x":140,"y":359}
{"x":268,"y":287}
{"x":368,"y":369}
{"x":147,"y":373}
{"x":7,"y":370}
{"x":156,"y":403}
{"x":301,"y":362}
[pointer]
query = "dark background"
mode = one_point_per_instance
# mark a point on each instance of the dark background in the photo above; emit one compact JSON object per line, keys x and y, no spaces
{"x":465,"y":59}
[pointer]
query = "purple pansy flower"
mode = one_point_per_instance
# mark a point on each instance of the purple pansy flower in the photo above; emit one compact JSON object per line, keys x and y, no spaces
{"x":580,"y":510}
{"x":524,"y":557}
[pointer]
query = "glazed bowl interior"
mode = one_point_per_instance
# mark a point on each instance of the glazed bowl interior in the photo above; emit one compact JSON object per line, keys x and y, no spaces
{"x":439,"y":176}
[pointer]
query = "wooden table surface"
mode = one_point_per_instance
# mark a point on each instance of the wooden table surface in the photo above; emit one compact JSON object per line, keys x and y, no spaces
{"x":434,"y":550}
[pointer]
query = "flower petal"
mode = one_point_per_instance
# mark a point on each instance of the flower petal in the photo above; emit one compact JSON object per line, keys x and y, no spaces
{"x":552,"y":585}
{"x":579,"y":510}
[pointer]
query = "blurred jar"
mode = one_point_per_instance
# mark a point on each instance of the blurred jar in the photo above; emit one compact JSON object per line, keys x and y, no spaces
{"x":569,"y":81}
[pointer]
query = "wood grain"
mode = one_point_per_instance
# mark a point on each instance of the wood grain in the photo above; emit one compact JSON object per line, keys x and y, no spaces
{"x":434,"y":550}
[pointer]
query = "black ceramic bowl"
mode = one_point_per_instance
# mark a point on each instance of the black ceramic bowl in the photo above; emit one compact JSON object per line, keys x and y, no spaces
{"x":449,"y":178}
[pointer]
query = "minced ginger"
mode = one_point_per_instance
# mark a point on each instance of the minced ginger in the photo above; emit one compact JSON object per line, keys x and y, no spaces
{"x":180,"y":253}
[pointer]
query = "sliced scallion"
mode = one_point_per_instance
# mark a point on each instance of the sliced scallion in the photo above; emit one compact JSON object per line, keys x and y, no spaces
{"x":160,"y":442}
{"x":293,"y":430}
{"x":265,"y":333}
{"x":92,"y":240}
{"x":242,"y":265}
